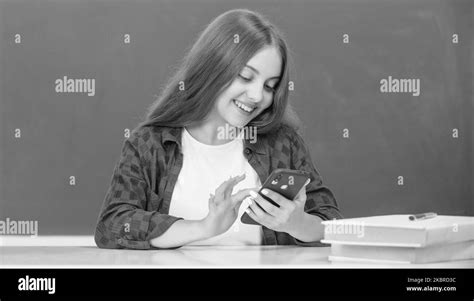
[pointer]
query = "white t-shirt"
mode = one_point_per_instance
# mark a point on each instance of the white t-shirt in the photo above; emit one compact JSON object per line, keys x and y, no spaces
{"x":205,"y":167}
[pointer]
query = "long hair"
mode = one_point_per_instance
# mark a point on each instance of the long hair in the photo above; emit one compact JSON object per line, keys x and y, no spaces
{"x":210,"y":66}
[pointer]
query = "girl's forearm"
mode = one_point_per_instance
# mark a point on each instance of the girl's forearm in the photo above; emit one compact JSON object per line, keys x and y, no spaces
{"x":182,"y":232}
{"x":310,"y":229}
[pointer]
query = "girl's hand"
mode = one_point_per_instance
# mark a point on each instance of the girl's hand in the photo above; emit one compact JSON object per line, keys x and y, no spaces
{"x":287,"y":218}
{"x":224,"y":207}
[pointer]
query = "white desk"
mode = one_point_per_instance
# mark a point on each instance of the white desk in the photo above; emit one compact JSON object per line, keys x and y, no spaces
{"x":81,"y":252}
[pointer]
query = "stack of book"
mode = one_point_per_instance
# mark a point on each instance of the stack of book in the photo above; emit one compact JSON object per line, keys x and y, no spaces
{"x":399,"y":239}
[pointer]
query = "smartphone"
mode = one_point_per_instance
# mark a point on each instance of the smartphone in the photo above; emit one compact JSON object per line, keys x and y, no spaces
{"x":286,"y":182}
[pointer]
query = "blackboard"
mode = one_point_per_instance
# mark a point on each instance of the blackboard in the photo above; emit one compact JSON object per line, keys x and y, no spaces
{"x":336,"y":92}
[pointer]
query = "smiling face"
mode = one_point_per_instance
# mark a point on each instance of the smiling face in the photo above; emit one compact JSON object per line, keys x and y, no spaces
{"x":251,"y":92}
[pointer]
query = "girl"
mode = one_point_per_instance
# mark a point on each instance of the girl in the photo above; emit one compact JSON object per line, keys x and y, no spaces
{"x":183,"y":174}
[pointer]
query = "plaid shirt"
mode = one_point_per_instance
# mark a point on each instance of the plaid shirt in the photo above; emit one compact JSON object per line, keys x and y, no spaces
{"x":137,"y":203}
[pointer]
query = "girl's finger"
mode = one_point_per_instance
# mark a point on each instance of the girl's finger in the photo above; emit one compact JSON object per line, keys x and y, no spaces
{"x":222,"y":189}
{"x":301,"y":197}
{"x":277,"y":198}
{"x":262,"y":215}
{"x":240,"y":196}
{"x":254,"y":217}
{"x":231,"y":184}
{"x":268,"y":207}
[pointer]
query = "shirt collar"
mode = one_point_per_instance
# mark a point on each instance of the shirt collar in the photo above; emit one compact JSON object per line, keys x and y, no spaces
{"x":258,"y":145}
{"x":172,"y":134}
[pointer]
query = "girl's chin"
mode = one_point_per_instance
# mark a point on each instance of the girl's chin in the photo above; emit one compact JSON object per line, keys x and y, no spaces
{"x":239,"y":120}
{"x":237,"y":124}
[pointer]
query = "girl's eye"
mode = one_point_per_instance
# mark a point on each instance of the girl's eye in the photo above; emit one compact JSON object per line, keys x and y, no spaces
{"x":270,"y":88}
{"x":245,"y":78}
{"x":249,"y":79}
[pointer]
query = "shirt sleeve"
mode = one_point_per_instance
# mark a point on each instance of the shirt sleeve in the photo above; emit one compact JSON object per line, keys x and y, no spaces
{"x":320,"y":201}
{"x":123,"y":221}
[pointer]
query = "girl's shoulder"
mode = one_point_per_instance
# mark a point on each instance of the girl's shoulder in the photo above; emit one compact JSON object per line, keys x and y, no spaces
{"x":283,"y":132}
{"x":152,"y":137}
{"x":284,"y":139}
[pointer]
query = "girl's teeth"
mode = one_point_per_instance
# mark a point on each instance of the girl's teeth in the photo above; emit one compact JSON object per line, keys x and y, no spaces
{"x":243,"y":107}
